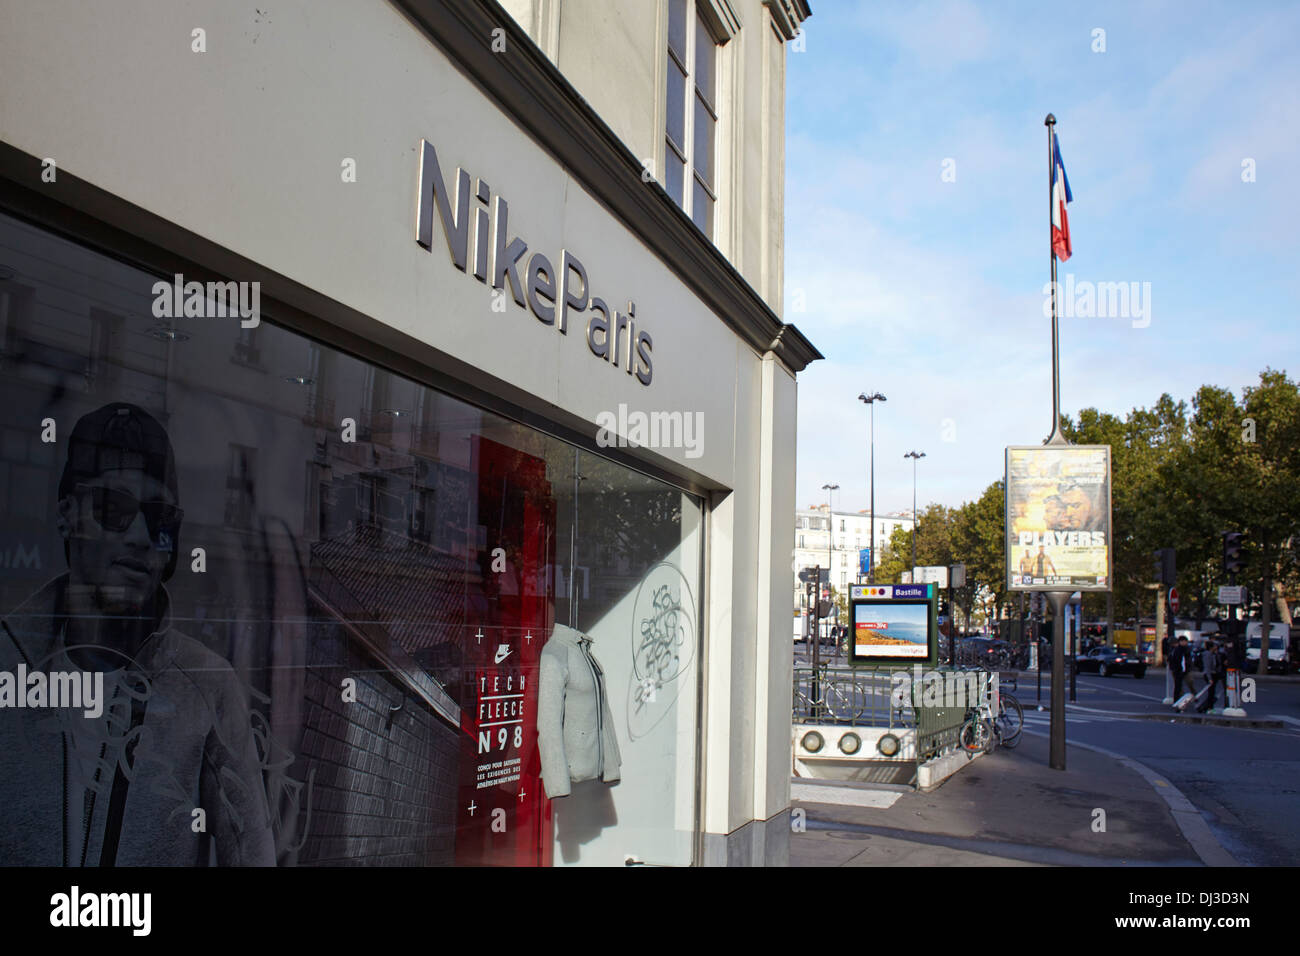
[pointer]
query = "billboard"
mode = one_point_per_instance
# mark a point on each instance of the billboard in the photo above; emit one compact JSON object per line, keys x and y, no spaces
{"x":1058,"y":529}
{"x":893,"y":624}
{"x":864,"y":561}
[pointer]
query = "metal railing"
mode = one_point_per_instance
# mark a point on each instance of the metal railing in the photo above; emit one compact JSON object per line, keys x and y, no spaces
{"x":853,"y":697}
{"x":857,"y":697}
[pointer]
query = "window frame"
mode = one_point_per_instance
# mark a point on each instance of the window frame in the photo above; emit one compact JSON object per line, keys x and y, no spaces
{"x":697,"y":24}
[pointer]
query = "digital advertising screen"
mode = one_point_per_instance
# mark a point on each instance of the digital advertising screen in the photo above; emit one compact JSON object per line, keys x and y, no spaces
{"x":1058,"y":518}
{"x":893,"y":624}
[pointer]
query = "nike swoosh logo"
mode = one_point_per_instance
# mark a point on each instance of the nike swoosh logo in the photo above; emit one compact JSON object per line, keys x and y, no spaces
{"x":503,"y":651}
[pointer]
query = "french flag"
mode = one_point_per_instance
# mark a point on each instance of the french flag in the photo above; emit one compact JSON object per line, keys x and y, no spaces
{"x":1060,"y":196}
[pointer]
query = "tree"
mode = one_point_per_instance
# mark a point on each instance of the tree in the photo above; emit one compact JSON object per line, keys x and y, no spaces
{"x":897,"y":557}
{"x":1270,"y":470}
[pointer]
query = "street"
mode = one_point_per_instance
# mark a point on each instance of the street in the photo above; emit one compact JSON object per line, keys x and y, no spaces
{"x":1244,"y":781}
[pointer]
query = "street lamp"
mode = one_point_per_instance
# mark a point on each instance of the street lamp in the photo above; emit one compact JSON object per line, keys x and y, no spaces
{"x":914,"y":455}
{"x":871,"y":401}
{"x":830,"y":530}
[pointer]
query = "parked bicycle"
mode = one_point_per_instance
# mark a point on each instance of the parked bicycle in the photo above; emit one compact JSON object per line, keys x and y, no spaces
{"x":837,"y":697}
{"x":984,"y":728}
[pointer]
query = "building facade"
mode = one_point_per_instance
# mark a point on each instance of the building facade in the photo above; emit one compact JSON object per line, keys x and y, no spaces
{"x":397,"y":415}
{"x":838,"y":541}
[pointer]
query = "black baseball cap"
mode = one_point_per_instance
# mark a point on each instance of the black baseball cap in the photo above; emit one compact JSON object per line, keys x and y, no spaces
{"x":120,"y":435}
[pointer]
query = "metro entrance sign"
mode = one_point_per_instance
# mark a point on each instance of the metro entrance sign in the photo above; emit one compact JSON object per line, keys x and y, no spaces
{"x":1173,"y":600}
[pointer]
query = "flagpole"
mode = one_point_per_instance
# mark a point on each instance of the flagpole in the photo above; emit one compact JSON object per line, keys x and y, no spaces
{"x":1055,"y":438}
{"x":1057,"y":599}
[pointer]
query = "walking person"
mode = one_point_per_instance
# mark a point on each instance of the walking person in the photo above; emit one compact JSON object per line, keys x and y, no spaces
{"x":1213,"y":664}
{"x":1180,"y":665}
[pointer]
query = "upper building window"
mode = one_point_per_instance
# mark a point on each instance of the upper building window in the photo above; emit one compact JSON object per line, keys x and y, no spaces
{"x":692,"y":114}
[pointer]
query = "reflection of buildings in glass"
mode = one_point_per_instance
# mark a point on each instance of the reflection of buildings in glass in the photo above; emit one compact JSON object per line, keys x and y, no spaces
{"x":371,"y":559}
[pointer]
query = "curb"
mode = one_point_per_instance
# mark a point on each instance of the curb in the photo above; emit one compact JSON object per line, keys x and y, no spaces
{"x":1216,"y":720}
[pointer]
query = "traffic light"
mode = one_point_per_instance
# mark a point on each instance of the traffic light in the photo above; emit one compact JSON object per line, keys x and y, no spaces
{"x":1232,"y":557}
{"x":1166,"y":572}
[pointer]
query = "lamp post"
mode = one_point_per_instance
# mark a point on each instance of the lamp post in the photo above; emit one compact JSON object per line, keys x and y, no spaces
{"x":914,"y":455}
{"x":871,"y":400}
{"x":830,"y":541}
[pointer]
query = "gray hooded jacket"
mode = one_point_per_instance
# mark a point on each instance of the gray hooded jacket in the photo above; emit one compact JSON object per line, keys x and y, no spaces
{"x":120,"y":789}
{"x":575,"y":726}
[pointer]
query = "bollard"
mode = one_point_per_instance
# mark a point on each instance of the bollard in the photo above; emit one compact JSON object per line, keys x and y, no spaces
{"x":1232,"y":687}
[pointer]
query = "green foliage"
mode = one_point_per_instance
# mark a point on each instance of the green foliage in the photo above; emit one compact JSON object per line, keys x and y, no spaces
{"x":1180,"y":476}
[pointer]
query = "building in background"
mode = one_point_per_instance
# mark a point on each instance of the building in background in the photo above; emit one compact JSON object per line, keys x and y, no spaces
{"x":463,"y":321}
{"x":850,"y":535}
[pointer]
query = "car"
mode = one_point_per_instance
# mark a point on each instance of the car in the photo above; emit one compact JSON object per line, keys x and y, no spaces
{"x":1109,"y":661}
{"x":1279,"y":649}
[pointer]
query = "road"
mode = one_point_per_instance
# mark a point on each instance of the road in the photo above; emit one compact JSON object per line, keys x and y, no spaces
{"x":1245,"y":782}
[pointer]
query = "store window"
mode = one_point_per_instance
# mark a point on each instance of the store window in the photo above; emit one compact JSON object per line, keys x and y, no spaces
{"x":692,"y":114}
{"x":351,"y":618}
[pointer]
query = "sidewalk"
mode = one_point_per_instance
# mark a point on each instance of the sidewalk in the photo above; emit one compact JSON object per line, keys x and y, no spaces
{"x":1008,"y":809}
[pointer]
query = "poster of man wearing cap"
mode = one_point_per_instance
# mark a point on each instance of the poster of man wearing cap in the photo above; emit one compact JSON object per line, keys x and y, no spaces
{"x":168,"y":773}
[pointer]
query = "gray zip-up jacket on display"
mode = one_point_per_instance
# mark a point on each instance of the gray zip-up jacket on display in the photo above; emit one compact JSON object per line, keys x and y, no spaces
{"x":121,"y":789}
{"x":575,"y":726}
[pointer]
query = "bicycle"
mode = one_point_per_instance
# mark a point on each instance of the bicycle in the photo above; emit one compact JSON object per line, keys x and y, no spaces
{"x":1010,"y":720}
{"x":836,"y":697}
{"x":983,"y":730}
{"x":977,"y":735}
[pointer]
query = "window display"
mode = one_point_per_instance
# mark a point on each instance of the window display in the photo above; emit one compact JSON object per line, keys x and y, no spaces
{"x":575,"y":729}
{"x":273,"y":604}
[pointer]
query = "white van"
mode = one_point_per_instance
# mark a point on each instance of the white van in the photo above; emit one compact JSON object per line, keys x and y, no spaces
{"x":1279,"y":645}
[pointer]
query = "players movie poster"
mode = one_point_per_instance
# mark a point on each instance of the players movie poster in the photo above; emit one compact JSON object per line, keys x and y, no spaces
{"x":1058,"y":518}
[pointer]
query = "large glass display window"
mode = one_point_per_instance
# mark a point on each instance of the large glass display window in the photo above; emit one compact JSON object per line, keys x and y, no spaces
{"x":265,"y":602}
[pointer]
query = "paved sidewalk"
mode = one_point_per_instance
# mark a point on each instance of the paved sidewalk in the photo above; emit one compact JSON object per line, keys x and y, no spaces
{"x":1006,"y":809}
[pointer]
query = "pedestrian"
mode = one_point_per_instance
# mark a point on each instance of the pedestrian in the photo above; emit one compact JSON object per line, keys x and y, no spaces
{"x":1180,"y":665}
{"x":1213,"y":663}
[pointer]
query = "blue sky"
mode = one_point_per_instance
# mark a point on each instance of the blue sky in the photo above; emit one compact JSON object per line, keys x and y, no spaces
{"x":932,"y":292}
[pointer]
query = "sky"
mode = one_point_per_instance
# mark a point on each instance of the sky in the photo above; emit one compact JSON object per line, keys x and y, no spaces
{"x":917,"y":234}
